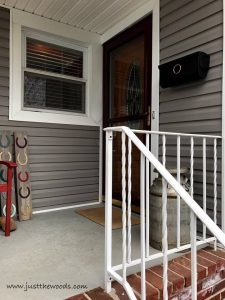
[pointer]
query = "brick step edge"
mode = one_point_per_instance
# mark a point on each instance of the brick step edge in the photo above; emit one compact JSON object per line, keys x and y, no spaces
{"x":211,"y":280}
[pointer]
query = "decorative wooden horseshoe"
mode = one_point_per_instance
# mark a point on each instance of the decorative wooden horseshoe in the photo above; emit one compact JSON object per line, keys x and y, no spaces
{"x":13,"y":213}
{"x":24,"y":196}
{"x":8,"y":141}
{"x":1,"y":176}
{"x":9,"y":154}
{"x":21,"y":146}
{"x":23,"y":179}
{"x":19,"y":161}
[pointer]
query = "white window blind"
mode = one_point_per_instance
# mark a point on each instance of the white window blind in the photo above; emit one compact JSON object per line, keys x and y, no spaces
{"x":53,"y":77}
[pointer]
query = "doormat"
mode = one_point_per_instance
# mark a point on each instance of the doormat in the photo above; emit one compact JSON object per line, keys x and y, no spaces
{"x":97,"y":215}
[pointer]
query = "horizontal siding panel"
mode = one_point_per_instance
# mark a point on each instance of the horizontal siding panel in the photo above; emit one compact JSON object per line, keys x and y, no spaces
{"x":172,"y":6}
{"x":4,"y":101}
{"x":183,"y":11}
{"x":4,"y":14}
{"x":204,"y":113}
{"x":63,"y":149}
{"x":190,"y":17}
{"x":5,"y":43}
{"x":62,"y":133}
{"x":196,"y":28}
{"x":49,"y":158}
{"x":185,"y":161}
{"x":216,"y":59}
{"x":4,"y":81}
{"x":207,"y":126}
{"x":62,"y":141}
{"x":198,"y":188}
{"x":210,"y":48}
{"x":4,"y":110}
{"x":4,"y":62}
{"x":36,"y":126}
{"x":4,"y":34}
{"x":63,"y":183}
{"x":191,"y":90}
{"x":63,"y":166}
{"x":4,"y":72}
{"x":194,"y":41}
{"x":186,"y":151}
{"x":201,"y":101}
{"x":67,"y":174}
{"x":209,"y":177}
{"x":69,"y":199}
{"x":4,"y":91}
{"x":49,"y":193}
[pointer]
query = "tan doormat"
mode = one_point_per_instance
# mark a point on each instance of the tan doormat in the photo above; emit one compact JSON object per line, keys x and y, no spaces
{"x":97,"y":215}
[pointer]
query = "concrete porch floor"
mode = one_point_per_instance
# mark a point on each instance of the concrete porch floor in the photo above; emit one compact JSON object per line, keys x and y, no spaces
{"x":57,"y":248}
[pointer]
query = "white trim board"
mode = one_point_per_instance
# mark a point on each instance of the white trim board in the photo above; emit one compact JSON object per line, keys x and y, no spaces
{"x":223,"y":128}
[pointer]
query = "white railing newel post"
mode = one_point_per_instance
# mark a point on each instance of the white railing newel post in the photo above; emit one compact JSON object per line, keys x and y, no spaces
{"x":193,"y":234}
{"x":108,"y":210}
{"x":164,"y":226}
{"x":143,"y":246}
{"x":124,"y":212}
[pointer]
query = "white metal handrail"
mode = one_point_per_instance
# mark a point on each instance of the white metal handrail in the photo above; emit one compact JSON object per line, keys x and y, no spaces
{"x":196,"y":210}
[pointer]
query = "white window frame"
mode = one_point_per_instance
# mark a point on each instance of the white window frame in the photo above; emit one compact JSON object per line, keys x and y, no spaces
{"x":26,"y":33}
{"x":24,"y":24}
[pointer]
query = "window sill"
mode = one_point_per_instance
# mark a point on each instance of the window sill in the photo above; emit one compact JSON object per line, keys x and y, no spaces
{"x":48,"y":117}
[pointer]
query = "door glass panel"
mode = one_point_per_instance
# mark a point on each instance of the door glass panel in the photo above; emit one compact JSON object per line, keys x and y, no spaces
{"x":127,"y":79}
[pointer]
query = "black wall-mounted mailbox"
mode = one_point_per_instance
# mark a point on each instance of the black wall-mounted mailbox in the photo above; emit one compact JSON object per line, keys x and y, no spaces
{"x":185,"y":69}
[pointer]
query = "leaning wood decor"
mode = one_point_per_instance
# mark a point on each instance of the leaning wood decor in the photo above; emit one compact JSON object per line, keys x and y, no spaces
{"x":23,"y":176}
{"x":6,"y":154}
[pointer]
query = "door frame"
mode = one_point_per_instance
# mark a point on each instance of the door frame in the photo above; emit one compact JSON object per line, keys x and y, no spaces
{"x":153,"y":7}
{"x":124,"y":37}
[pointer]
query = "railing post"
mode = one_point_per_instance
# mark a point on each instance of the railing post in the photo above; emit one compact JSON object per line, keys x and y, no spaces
{"x":178,"y":197}
{"x":193,"y":234}
{"x":147,"y":198}
{"x":204,"y":183}
{"x":142,"y":196}
{"x":108,"y":210}
{"x":215,"y":186}
{"x":129,"y":186}
{"x":164,"y":226}
{"x":124,"y":213}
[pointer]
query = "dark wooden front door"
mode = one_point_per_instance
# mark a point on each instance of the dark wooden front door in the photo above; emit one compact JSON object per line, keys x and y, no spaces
{"x":127,"y":93}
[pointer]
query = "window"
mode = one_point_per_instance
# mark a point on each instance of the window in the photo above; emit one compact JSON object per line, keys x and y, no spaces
{"x":54,"y":77}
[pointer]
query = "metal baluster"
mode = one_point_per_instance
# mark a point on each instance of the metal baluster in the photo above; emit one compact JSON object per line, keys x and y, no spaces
{"x":108,"y":209}
{"x":178,"y":197}
{"x":142,"y":200}
{"x":215,"y":187}
{"x":204,"y":183}
{"x":193,"y":231}
{"x":164,"y":227}
{"x":124,"y":234}
{"x":147,"y":199}
{"x":129,"y":199}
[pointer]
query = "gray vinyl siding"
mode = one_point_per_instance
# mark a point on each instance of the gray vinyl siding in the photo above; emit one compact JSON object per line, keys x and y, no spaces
{"x":187,"y":26}
{"x":64,"y":159}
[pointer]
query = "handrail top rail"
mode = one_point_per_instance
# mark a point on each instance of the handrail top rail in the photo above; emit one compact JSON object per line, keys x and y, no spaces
{"x":119,"y":128}
{"x":197,"y":210}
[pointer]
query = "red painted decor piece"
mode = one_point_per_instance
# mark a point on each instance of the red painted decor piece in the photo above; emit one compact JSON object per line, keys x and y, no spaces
{"x":7,"y":187}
